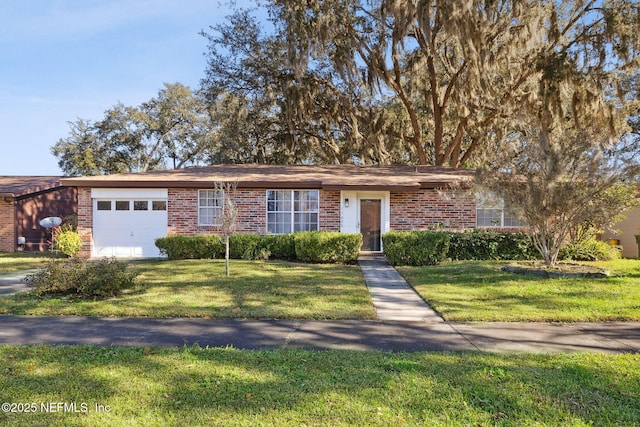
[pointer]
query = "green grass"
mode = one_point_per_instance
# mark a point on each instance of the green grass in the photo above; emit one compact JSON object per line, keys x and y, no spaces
{"x":15,"y":261}
{"x":197,"y":387}
{"x":479,"y":291}
{"x":199,"y":288}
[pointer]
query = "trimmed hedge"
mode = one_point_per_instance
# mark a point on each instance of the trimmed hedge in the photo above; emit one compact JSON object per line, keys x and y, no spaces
{"x":244,"y":246}
{"x":428,"y":247}
{"x":191,"y":247}
{"x":322,"y":247}
{"x":280,"y":246}
{"x":481,"y":244}
{"x":415,"y":247}
{"x":308,"y":246}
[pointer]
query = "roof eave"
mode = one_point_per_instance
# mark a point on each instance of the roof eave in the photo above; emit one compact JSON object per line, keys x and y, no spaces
{"x":364,"y":187}
{"x":190,"y":184}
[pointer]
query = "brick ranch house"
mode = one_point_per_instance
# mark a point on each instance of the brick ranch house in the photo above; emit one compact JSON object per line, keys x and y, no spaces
{"x":24,"y":201}
{"x":121,"y":215}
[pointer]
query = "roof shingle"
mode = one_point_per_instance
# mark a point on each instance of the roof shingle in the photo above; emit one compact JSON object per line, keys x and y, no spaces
{"x":400,"y":178}
{"x":17,"y":186}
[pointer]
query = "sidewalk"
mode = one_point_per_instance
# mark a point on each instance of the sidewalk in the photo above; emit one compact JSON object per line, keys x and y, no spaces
{"x":322,"y":335}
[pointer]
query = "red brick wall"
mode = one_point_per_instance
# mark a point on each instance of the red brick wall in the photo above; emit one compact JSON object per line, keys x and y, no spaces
{"x":329,"y":210}
{"x":409,"y":211}
{"x":7,"y":226}
{"x":85,"y":220}
{"x":182,"y":210}
{"x":419,"y":210}
{"x":60,"y":202}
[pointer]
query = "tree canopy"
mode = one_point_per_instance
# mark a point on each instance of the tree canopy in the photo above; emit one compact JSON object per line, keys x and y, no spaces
{"x":271,"y":111}
{"x":460,"y":71}
{"x":441,"y":82}
{"x":170,"y":130}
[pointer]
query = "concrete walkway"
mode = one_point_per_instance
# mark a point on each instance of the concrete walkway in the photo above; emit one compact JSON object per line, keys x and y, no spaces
{"x":392,"y":296}
{"x":323,"y":335}
{"x":12,"y":283}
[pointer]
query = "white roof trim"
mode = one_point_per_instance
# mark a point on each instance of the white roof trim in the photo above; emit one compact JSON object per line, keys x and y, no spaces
{"x":129,"y":193}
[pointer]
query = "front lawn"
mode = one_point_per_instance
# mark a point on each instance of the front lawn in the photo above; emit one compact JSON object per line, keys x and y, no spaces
{"x":15,"y":261}
{"x":115,"y":386}
{"x":199,"y":288}
{"x":479,"y":291}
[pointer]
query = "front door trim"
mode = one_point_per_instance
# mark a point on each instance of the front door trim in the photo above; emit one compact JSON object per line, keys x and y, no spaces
{"x":350,"y":211}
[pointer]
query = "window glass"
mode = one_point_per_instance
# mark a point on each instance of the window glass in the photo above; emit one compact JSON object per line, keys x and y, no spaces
{"x":491,"y":212}
{"x":209,"y":207}
{"x":159,"y":205}
{"x":122,"y":205}
{"x":511,"y":221}
{"x":140,"y":205}
{"x":104,"y":205}
{"x":292,"y":210}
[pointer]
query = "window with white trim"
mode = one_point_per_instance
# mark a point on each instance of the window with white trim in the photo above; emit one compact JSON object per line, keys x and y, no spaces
{"x":210,"y":207}
{"x":289,"y":211}
{"x":491,"y":212}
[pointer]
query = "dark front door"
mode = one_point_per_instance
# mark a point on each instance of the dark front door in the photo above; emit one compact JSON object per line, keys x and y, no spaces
{"x":370,"y":215}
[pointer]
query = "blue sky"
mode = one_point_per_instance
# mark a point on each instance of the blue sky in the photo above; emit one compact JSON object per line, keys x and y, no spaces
{"x":67,"y":59}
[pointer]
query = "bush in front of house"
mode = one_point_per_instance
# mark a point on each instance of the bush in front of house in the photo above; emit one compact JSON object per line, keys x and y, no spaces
{"x":415,"y":247}
{"x":80,"y":278}
{"x":481,"y":244}
{"x":308,"y":246}
{"x":246,"y":246}
{"x":68,"y":242}
{"x":590,"y":249}
{"x":326,"y":247}
{"x":279,"y":246}
{"x":191,"y":247}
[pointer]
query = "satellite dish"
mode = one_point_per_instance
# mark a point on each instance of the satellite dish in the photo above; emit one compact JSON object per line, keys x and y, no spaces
{"x":50,"y":221}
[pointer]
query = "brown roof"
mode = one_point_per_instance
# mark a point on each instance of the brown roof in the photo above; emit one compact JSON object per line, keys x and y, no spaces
{"x":17,"y":186}
{"x":331,"y":177}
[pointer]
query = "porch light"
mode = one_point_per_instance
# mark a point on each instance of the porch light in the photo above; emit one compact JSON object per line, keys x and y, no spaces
{"x":346,"y":203}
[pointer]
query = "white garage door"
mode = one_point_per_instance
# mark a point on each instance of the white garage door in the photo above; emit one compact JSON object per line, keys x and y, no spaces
{"x":127,"y":222}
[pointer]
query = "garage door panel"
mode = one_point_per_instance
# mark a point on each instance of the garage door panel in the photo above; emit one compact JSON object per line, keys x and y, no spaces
{"x":123,"y":232}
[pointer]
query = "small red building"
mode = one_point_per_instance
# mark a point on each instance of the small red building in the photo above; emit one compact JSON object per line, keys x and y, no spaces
{"x":24,"y":201}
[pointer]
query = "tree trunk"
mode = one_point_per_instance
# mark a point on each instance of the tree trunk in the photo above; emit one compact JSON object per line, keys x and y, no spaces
{"x":226,"y":255}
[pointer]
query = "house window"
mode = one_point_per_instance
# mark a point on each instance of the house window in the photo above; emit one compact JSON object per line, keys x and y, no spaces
{"x":491,"y":212}
{"x":140,"y":205}
{"x":104,"y":205}
{"x":209,"y":207}
{"x":159,"y":205}
{"x":122,"y":205}
{"x":292,"y":210}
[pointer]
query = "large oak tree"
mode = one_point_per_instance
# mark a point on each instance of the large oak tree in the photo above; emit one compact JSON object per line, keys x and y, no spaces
{"x":462,"y":70}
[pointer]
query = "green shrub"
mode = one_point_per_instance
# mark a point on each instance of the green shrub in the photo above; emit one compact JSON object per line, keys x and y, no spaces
{"x":245,"y":246}
{"x":415,"y":247}
{"x":191,"y":247}
{"x":481,"y":244}
{"x":590,"y":249}
{"x":279,"y":246}
{"x":68,"y":242}
{"x":323,"y":247}
{"x":313,"y":246}
{"x":81,"y":278}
